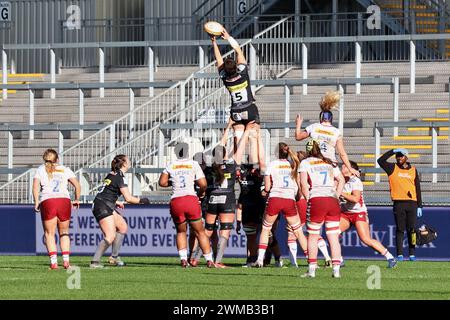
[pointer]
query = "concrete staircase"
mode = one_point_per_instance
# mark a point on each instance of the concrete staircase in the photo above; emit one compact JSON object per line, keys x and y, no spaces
{"x":64,"y":109}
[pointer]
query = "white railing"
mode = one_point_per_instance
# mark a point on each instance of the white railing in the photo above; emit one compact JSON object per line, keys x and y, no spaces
{"x":136,"y":132}
{"x":208,"y":99}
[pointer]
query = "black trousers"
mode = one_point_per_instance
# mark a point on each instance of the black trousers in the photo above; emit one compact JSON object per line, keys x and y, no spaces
{"x":405,"y":214}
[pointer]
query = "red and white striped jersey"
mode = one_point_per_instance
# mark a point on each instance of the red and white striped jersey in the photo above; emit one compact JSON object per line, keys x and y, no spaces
{"x":354,"y":183}
{"x":283,"y":185}
{"x":321,"y":177}
{"x":327,"y":135}
{"x":56,"y":187}
{"x":182,"y":174}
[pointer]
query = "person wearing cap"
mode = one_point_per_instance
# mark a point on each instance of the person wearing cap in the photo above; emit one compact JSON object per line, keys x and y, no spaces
{"x":404,"y":183}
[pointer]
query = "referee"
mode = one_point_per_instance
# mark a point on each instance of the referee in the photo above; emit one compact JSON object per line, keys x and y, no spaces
{"x":404,"y":183}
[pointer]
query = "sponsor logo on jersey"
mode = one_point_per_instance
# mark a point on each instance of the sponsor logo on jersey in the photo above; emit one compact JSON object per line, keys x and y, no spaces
{"x":238,"y":87}
{"x":328,"y":133}
{"x":404,"y":175}
{"x":227,"y":175}
{"x":317,"y":162}
{"x":284,"y":166}
{"x":107,"y":182}
{"x":182,"y":166}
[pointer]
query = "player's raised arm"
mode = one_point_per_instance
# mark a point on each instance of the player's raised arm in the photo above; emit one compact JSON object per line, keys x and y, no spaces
{"x":240,"y":59}
{"x":217,"y":54}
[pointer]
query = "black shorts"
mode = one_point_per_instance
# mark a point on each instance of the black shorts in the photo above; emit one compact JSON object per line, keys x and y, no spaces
{"x":245,"y":115}
{"x":252,"y":211}
{"x":102,"y":210}
{"x":223,"y":202}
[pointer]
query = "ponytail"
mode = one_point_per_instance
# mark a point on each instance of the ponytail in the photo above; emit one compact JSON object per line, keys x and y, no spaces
{"x":313,"y":150}
{"x":50,"y":158}
{"x":284,"y":152}
{"x":118,"y":162}
{"x":294,"y":164}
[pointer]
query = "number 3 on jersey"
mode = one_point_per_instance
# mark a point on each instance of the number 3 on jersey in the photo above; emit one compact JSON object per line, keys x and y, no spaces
{"x":182,"y":182}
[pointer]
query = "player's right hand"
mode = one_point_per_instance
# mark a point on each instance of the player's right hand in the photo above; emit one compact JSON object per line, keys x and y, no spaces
{"x":37,"y":208}
{"x":298,"y":120}
{"x":120,"y":205}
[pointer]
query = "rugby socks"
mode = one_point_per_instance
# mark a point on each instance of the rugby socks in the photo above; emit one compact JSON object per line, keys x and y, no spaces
{"x":312,"y":266}
{"x":53,"y":257}
{"x":221,"y":246}
{"x":183,"y":254}
{"x":117,"y":243}
{"x":262,"y":252}
{"x":292,"y":252}
{"x":208,"y":256}
{"x":101,"y":249}
{"x":323,"y":248}
{"x":66,"y":255}
{"x":388,"y":255}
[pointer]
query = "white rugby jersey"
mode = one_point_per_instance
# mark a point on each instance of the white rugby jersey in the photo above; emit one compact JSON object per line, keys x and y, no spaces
{"x":327,"y":135}
{"x":57,"y":186}
{"x":182,"y":174}
{"x":354,"y":183}
{"x":320,"y":177}
{"x":283,"y":185}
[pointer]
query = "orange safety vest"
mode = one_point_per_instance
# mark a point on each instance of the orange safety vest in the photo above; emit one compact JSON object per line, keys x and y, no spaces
{"x":402,"y":184}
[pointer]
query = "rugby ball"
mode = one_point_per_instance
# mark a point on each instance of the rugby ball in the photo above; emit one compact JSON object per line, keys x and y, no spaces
{"x":213,"y":28}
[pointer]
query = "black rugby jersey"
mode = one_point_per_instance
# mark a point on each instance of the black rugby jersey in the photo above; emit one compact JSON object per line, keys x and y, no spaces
{"x":250,"y":181}
{"x":239,"y":87}
{"x":110,"y":190}
{"x":229,"y":171}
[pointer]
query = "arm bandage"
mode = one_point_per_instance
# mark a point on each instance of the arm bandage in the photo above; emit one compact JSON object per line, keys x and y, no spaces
{"x":233,"y":43}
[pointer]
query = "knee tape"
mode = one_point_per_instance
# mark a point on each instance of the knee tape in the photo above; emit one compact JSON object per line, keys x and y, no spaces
{"x":332,"y":227}
{"x":267,"y":225}
{"x":226,"y":226}
{"x":314,"y":228}
{"x":249,"y":230}
{"x":64,"y":235}
{"x":210,"y":226}
{"x":238,"y":134}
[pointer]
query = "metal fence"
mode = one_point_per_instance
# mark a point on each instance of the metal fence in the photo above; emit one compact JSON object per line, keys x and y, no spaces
{"x":79,"y":51}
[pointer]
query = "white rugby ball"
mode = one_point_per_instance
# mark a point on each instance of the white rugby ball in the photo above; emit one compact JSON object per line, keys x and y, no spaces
{"x":213,"y":27}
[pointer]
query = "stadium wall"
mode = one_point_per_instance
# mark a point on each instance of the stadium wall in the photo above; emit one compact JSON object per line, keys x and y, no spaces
{"x":152,"y":233}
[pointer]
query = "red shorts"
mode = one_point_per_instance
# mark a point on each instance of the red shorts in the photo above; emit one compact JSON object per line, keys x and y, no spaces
{"x":185,"y":208}
{"x":324,"y":209}
{"x":56,"y":207}
{"x":302,"y":205}
{"x":281,"y":205}
{"x":353,"y":217}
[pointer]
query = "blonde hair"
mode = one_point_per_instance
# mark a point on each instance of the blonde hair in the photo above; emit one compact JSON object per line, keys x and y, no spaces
{"x":50,"y":158}
{"x":329,"y":101}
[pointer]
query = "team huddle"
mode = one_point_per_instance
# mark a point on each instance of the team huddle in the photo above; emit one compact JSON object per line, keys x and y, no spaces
{"x":306,"y":186}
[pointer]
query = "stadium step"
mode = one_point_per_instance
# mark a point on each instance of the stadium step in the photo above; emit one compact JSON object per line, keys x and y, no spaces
{"x":428,"y":138}
{"x":409,"y":146}
{"x":372,"y":156}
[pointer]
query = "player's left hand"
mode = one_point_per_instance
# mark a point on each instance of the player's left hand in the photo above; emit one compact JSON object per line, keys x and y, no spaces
{"x":76,"y":204}
{"x":355,"y":172}
{"x":419,"y":213}
{"x":225,"y":34}
{"x":120,"y":205}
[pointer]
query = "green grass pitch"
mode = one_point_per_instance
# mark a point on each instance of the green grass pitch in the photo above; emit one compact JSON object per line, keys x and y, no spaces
{"x":28,"y":277}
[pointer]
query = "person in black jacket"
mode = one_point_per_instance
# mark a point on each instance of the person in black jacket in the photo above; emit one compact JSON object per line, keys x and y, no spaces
{"x":404,"y":183}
